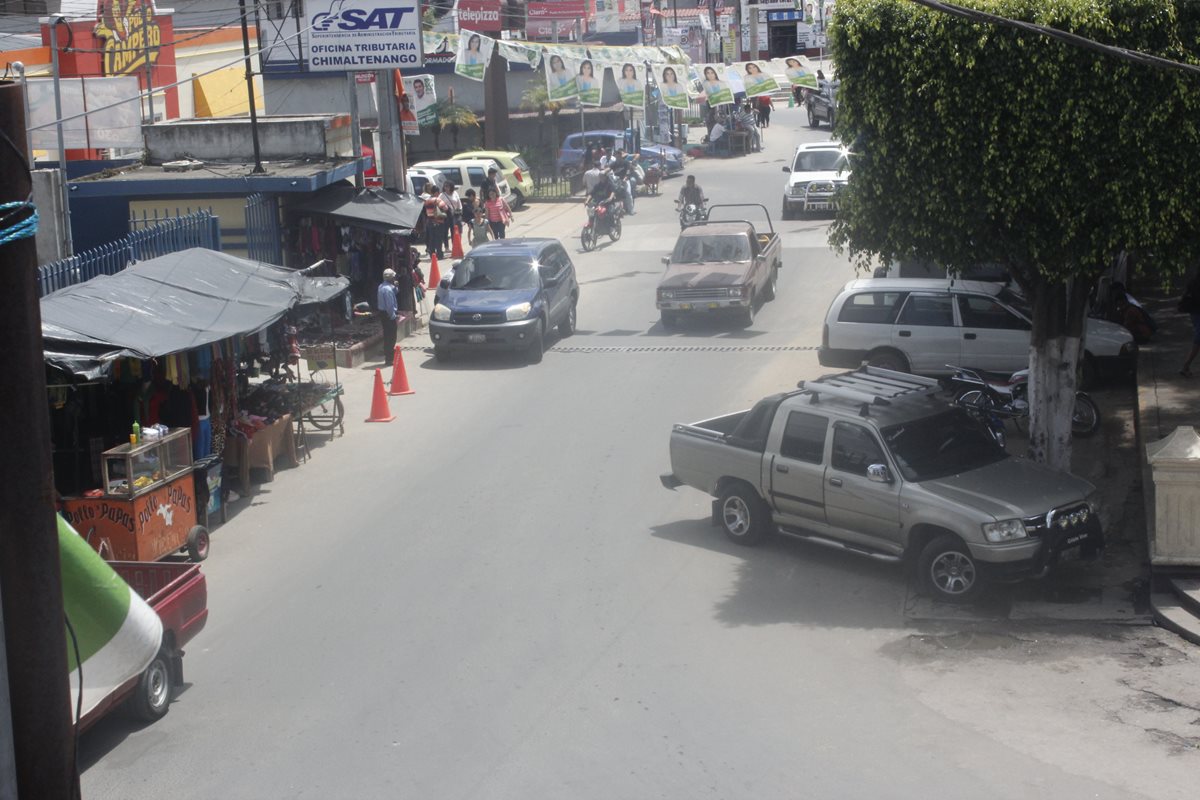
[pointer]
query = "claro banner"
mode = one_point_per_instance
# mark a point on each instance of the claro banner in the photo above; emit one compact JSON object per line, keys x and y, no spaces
{"x":479,"y":15}
{"x":357,"y":35}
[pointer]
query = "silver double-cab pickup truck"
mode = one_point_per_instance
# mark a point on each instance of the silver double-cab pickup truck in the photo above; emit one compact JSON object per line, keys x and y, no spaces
{"x":720,"y":267}
{"x":880,"y":463}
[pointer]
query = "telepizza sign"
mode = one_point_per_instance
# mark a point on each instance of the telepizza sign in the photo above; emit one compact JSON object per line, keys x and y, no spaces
{"x":130,"y":34}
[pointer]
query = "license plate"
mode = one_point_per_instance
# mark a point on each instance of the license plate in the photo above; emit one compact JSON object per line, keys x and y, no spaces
{"x":476,"y":338}
{"x":714,"y":305}
{"x":1077,"y":539}
{"x":686,"y":306}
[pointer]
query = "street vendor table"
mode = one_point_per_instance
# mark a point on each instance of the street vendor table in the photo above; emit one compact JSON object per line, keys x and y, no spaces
{"x":739,"y":141}
{"x":261,"y":450}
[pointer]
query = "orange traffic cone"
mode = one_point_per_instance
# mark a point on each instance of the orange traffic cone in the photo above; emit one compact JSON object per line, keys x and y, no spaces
{"x":379,"y":404}
{"x":435,"y":275}
{"x":399,"y":376}
{"x":456,"y":250}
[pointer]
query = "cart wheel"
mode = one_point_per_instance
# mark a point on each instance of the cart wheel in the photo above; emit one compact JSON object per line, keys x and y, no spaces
{"x":152,"y":698}
{"x":197,"y":543}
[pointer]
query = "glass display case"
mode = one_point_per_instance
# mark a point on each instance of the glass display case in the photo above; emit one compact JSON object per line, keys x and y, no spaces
{"x":130,"y":470}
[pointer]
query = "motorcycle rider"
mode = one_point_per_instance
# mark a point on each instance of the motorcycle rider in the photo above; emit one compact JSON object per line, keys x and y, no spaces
{"x":691,"y":194}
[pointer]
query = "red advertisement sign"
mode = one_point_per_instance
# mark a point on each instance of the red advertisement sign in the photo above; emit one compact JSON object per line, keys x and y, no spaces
{"x":479,"y":15}
{"x":558,"y":9}
{"x":544,"y":28}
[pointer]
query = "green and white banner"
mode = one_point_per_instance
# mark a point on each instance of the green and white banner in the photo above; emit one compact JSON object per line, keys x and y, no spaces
{"x":520,"y":54}
{"x":117,"y":632}
{"x":588,"y":80}
{"x":474,"y":53}
{"x":716,"y":88}
{"x":797,"y":69}
{"x":560,"y":77}
{"x":422,"y":97}
{"x":755,"y":78}
{"x":631,"y":83}
{"x":671,"y":89}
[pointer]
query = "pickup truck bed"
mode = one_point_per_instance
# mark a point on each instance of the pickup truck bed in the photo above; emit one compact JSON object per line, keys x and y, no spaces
{"x":178,"y":593}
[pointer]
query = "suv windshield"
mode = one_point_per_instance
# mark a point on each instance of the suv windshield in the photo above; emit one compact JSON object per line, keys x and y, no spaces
{"x":941,"y":445}
{"x":494,"y":272}
{"x":821,"y":161}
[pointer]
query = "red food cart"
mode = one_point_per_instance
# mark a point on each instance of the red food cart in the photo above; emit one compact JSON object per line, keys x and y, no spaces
{"x":147,"y":509}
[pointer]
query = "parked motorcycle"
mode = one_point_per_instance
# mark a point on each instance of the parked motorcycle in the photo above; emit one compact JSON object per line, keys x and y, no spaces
{"x":993,"y":399}
{"x":652,"y":178}
{"x":603,"y":219}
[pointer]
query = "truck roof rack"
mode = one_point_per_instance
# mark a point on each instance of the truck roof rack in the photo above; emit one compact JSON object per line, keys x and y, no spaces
{"x":869,"y":386}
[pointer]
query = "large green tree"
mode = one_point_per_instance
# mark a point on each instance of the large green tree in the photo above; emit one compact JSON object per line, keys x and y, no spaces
{"x":978,"y":143}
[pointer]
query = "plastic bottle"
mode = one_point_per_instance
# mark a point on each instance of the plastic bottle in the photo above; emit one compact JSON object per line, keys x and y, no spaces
{"x":135,"y":438}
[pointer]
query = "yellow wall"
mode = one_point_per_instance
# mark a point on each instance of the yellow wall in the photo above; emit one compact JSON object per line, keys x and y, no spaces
{"x":230,"y":210}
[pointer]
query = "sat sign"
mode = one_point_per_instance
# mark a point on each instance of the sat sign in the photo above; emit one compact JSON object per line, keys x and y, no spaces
{"x":362,"y":35}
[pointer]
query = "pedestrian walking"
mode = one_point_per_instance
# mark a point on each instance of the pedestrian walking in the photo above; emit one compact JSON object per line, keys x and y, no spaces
{"x":479,"y":228}
{"x":386,"y":309}
{"x":499,"y":215}
{"x":453,"y":204}
{"x":469,"y":204}
{"x":435,"y":217}
{"x":765,"y":106}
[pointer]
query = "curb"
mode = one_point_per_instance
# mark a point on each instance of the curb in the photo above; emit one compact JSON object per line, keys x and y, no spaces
{"x":1147,"y":388}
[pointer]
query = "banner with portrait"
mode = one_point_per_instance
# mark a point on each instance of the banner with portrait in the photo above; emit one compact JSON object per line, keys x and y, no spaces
{"x":560,"y":76}
{"x":755,"y":78}
{"x":717,"y":91}
{"x":422,"y":97}
{"x":797,"y":69}
{"x":589,"y":81}
{"x":474,"y":53}
{"x":631,"y":83}
{"x":672,"y":84}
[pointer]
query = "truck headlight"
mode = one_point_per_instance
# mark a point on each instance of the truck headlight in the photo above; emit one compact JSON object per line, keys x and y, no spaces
{"x":519,"y":311}
{"x":1128,"y":348}
{"x":666,"y":294}
{"x":735,"y":291}
{"x":1006,"y":530}
{"x":441,"y":312}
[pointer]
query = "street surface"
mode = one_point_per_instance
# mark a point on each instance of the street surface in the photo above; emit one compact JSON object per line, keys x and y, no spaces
{"x":493,"y":597}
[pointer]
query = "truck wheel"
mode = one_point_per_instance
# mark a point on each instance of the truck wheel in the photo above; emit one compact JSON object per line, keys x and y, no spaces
{"x":743,"y":515}
{"x":441,"y":354}
{"x":785,"y":213}
{"x":746,"y":317}
{"x":769,"y":289}
{"x":670,"y":320}
{"x":197,"y":543}
{"x":152,"y":698}
{"x":947,"y":570}
{"x":534,"y":354}
{"x":888,"y":359}
{"x":812,"y":118}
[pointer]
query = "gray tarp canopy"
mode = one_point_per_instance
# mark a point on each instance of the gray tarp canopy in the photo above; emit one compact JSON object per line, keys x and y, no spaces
{"x":380,"y":209}
{"x":170,"y":304}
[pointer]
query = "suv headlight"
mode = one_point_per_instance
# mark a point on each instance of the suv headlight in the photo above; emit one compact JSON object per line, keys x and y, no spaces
{"x":1094,"y":501}
{"x":441,"y":312}
{"x":1128,"y":348}
{"x":1006,"y":530}
{"x":519,"y":311}
{"x":798,"y":189}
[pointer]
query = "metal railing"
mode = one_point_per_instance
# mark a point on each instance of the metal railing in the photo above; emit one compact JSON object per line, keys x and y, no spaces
{"x":148,"y":237}
{"x":549,"y":185}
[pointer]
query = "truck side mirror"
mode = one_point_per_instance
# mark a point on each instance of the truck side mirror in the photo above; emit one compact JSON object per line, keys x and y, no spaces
{"x":787,"y":169}
{"x":878,"y":473}
{"x":666,"y":259}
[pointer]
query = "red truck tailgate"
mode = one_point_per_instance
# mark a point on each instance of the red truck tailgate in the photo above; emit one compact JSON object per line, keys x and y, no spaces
{"x":177,"y":591}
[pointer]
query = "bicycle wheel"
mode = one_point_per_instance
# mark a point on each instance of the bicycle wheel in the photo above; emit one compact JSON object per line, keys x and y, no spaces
{"x":1085,"y":419}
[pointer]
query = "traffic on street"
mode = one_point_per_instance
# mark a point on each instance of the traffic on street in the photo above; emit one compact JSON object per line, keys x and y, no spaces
{"x":494,"y":596}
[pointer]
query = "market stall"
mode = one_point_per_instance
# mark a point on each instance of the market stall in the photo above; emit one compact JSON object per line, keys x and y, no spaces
{"x":183,"y":341}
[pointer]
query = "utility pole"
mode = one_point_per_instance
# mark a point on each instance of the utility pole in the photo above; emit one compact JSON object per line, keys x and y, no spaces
{"x":258,"y":167}
{"x":149,"y":66}
{"x":390,"y":141}
{"x":30,"y":580}
{"x":67,"y":238}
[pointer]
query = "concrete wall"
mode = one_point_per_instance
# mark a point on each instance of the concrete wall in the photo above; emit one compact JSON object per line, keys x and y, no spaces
{"x":281,"y":139}
{"x":47,"y":196}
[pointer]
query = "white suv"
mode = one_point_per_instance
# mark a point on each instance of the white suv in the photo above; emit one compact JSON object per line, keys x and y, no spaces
{"x":470,"y":174}
{"x":819,"y":170}
{"x":921,"y":325}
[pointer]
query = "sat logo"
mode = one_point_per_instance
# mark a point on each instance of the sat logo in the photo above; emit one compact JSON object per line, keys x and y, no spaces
{"x":359,"y":19}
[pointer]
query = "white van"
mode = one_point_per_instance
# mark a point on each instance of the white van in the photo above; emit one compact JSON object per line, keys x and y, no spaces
{"x":921,"y":325}
{"x":469,"y":174}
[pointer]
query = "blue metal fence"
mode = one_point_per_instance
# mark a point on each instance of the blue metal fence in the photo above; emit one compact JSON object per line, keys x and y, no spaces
{"x":148,"y":237}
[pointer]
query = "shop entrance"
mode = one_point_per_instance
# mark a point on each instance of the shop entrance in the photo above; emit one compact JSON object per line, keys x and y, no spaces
{"x":782,"y":39}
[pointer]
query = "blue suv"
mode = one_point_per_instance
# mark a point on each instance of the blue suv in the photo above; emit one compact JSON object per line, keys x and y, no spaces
{"x":505,"y":295}
{"x":570,"y":157}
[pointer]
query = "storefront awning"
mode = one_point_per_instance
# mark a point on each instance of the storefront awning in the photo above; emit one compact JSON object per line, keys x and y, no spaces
{"x":380,"y":209}
{"x":168,"y":305}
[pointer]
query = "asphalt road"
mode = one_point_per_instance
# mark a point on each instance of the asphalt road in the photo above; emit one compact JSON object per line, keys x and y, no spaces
{"x":493,"y":597}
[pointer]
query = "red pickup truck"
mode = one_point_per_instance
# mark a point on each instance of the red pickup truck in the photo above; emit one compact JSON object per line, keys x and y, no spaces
{"x":178,"y":593}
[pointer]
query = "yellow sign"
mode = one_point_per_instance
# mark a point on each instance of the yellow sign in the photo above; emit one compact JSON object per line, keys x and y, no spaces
{"x":130,"y":34}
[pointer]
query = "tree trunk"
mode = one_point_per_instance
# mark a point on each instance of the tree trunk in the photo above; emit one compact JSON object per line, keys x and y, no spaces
{"x":1058,"y":323}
